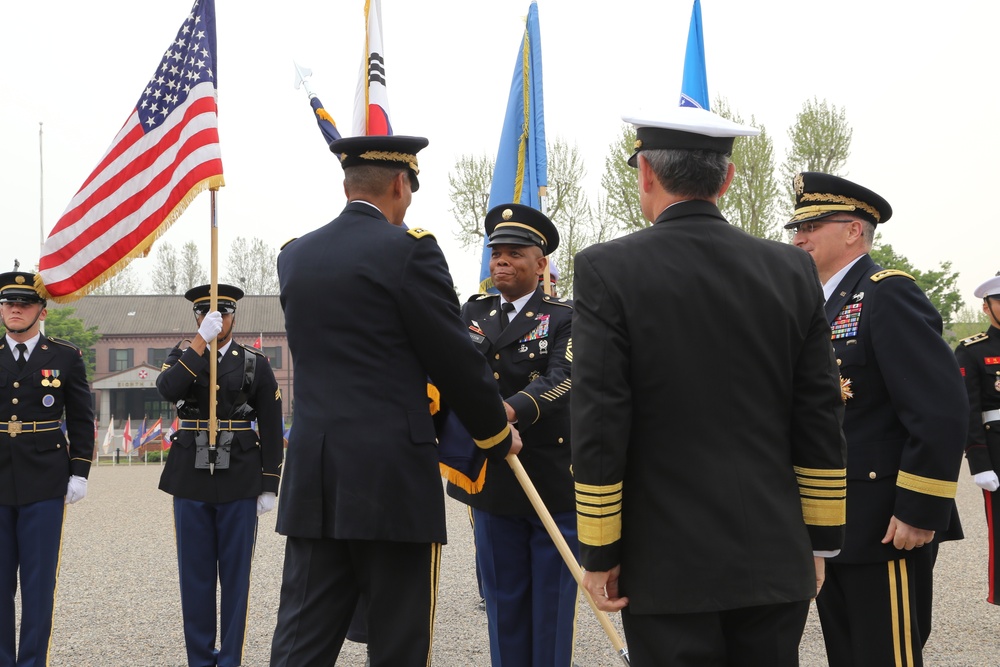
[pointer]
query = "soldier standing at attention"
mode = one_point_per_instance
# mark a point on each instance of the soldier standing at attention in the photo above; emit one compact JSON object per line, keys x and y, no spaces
{"x":215,"y":511}
{"x":43,"y":382}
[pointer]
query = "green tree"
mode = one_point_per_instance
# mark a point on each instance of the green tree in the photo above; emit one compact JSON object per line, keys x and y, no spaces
{"x":190,"y":273}
{"x":253,"y":266}
{"x":570,"y":210}
{"x":753,"y":201}
{"x":970,"y":320}
{"x":166,"y":273}
{"x":821,"y":141}
{"x":470,"y":182}
{"x":620,"y":185}
{"x":940,"y":286}
{"x":60,"y":323}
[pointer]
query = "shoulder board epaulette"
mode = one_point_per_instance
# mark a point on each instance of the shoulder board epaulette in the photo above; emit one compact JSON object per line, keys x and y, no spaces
{"x":480,"y":297}
{"x":419,"y":233}
{"x":286,"y":243}
{"x":64,"y":342}
{"x":977,"y":338}
{"x":259,"y":353}
{"x":558,"y":301}
{"x":889,"y":273}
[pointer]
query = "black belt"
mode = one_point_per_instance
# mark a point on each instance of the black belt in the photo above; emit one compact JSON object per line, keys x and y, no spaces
{"x":12,"y":428}
{"x":223,"y":425}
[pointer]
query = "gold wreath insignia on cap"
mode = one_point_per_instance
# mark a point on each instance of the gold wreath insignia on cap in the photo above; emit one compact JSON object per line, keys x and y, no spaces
{"x":638,"y":144}
{"x":799,"y":185}
{"x":507,"y":214}
{"x":19,"y":280}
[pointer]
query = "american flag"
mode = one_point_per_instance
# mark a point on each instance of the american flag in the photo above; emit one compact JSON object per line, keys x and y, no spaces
{"x":165,"y":154}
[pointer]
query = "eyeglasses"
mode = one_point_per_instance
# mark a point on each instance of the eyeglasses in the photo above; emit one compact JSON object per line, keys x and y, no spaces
{"x":812,"y":225}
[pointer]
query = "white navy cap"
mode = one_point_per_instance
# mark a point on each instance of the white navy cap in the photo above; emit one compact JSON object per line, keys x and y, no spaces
{"x":989,"y":288}
{"x":688,"y":128}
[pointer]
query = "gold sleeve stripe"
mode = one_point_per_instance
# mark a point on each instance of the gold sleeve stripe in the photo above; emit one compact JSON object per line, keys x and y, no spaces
{"x":538,"y":410}
{"x":926,"y":485}
{"x":824,"y":512}
{"x":596,"y":500}
{"x":277,"y":394}
{"x":591,"y":510}
{"x":599,"y":532}
{"x":838,"y":483}
{"x":569,"y":350}
{"x":188,"y":369}
{"x":558,"y":390}
{"x":271,"y":474}
{"x":495,"y":440}
{"x":598,"y":490}
{"x":820,"y":472}
{"x":823,"y":493}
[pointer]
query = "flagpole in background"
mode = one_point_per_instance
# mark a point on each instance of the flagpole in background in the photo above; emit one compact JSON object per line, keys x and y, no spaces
{"x":371,"y":100}
{"x":694,"y":86}
{"x":213,"y":365}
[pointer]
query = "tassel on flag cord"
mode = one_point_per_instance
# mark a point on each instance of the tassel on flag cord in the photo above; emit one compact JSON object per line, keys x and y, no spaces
{"x":324,"y":120}
{"x":164,"y":155}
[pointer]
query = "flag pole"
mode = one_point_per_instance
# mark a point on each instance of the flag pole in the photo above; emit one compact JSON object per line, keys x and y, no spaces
{"x":213,"y":365}
{"x":567,"y":555}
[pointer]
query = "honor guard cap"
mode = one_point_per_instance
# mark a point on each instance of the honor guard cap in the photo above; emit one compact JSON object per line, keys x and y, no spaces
{"x":19,"y":287}
{"x":516,"y":224}
{"x":819,"y":195}
{"x":202,"y":300}
{"x":687,"y":128}
{"x":385,"y":150}
{"x":989,"y":288}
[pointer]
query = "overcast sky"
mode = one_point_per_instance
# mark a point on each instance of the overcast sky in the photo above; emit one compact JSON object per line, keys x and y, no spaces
{"x":918,"y":81}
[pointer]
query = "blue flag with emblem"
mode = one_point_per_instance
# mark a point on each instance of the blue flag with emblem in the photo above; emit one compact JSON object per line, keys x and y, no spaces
{"x":694,"y":86}
{"x":137,"y":439}
{"x":520,"y":174}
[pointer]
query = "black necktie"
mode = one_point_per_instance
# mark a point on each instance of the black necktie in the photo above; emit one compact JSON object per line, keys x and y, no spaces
{"x":21,"y":358}
{"x":505,"y":308}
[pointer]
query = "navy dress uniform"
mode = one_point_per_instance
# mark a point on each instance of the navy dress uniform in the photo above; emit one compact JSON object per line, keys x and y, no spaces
{"x":905,"y":427}
{"x":979,"y":359}
{"x":371,"y":314}
{"x":215,"y":512}
{"x":530,"y":594}
{"x":43,"y":386}
{"x":708,"y":458}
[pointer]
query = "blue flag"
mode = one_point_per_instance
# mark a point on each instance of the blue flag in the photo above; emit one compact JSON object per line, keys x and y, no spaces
{"x":137,"y":440}
{"x":324,"y":120}
{"x":694,"y":87}
{"x":520,"y":175}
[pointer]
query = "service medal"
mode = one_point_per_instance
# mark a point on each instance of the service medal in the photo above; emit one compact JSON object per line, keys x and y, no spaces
{"x":56,"y":382}
{"x":46,"y":374}
{"x":845,"y":389}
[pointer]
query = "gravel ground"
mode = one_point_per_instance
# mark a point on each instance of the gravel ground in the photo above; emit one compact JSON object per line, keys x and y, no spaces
{"x":118,"y":599}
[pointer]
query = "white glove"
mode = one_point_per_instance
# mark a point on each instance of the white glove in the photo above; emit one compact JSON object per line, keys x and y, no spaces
{"x":211,"y":326}
{"x":265,"y":502}
{"x":76,"y":490}
{"x":987,"y":481}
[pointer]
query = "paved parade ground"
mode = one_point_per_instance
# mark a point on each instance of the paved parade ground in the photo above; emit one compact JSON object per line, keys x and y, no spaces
{"x":118,"y":600}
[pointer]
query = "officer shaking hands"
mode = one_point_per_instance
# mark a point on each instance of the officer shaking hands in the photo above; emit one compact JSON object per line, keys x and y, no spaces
{"x":219,"y":494}
{"x":43,"y":385}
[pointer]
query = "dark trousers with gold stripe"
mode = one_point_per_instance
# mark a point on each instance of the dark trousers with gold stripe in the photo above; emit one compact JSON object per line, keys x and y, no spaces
{"x":878,"y":614}
{"x":992,"y":502}
{"x":320,"y":587}
{"x":30,"y":537}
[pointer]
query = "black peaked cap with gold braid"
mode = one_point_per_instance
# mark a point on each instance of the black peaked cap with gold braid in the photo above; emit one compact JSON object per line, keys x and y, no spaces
{"x":819,"y":195}
{"x":385,"y":150}
{"x":517,"y":224}
{"x":19,"y":287}
{"x":201,"y":298}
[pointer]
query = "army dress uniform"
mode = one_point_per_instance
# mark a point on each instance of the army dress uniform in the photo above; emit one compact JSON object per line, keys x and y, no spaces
{"x":531,"y":359}
{"x":904,"y":422}
{"x":979,"y":360}
{"x":371,"y":314}
{"x":36,"y":462}
{"x":215,"y":514}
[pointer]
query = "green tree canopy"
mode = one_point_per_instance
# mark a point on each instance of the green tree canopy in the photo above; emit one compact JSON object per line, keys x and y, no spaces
{"x":821,"y":141}
{"x":60,"y":323}
{"x":620,"y":185}
{"x":940,"y":286}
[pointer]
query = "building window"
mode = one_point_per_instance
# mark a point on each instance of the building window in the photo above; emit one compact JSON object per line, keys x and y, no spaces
{"x":119,"y":360}
{"x":157,"y":355}
{"x":273,"y":355}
